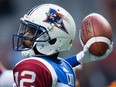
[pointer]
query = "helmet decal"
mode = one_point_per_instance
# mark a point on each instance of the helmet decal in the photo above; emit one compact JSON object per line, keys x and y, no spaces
{"x":53,"y":17}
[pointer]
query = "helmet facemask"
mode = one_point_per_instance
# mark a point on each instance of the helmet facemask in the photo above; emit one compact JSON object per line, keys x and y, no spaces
{"x":28,"y":34}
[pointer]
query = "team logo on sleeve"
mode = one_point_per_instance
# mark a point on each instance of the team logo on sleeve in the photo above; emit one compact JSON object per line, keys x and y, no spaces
{"x":53,"y":17}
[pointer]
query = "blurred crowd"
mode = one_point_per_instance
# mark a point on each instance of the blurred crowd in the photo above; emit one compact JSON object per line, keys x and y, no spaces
{"x":95,"y":74}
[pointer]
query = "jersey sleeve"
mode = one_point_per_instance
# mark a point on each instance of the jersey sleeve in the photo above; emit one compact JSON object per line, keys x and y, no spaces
{"x":72,"y":61}
{"x":32,"y":73}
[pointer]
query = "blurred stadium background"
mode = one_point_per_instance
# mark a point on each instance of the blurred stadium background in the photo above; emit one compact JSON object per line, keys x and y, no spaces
{"x":94,"y":74}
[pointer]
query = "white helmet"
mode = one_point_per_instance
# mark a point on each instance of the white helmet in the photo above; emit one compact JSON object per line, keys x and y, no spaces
{"x":54,"y":29}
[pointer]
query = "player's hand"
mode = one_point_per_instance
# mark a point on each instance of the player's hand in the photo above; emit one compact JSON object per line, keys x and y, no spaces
{"x":85,"y":56}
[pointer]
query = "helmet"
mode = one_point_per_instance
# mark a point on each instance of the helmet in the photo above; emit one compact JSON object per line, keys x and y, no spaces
{"x":52,"y":26}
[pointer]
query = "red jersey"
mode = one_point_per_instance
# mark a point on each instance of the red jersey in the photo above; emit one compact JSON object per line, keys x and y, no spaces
{"x":30,"y":72}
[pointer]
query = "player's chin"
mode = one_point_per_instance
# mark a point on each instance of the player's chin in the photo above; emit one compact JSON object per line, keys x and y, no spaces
{"x":27,"y":44}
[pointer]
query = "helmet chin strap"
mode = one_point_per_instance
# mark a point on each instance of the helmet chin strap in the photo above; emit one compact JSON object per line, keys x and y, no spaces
{"x":31,"y":52}
{"x":28,"y":53}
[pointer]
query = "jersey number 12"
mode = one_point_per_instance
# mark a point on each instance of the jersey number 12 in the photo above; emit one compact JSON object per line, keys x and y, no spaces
{"x":25,"y":80}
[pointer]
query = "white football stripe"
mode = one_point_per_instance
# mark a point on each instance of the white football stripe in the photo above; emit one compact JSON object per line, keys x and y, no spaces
{"x":98,"y":39}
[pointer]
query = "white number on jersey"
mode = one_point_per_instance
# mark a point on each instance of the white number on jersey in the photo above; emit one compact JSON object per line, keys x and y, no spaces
{"x":27,"y":80}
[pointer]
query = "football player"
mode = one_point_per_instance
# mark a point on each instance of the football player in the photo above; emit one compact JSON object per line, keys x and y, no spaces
{"x":44,"y":32}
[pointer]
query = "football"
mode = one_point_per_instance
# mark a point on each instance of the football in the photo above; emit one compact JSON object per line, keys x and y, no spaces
{"x":95,"y":26}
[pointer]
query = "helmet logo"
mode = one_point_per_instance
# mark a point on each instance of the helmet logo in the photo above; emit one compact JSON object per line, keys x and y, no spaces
{"x":53,"y":17}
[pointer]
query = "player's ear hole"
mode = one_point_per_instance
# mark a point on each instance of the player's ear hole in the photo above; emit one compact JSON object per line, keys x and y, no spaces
{"x":52,"y":41}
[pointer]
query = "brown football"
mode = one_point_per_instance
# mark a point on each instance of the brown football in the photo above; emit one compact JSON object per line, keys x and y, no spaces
{"x":95,"y":25}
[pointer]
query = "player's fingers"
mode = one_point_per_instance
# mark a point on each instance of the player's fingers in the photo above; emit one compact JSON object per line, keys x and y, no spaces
{"x":86,"y":48}
{"x":80,"y":38}
{"x":111,"y":46}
